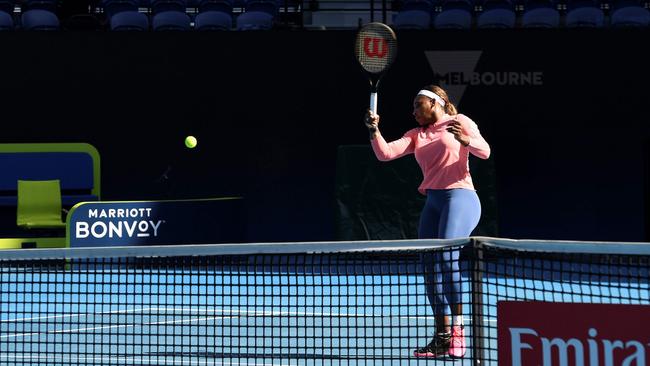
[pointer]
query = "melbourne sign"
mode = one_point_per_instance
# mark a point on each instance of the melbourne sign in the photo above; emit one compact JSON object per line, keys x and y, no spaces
{"x":572,"y":334}
{"x":456,"y":70}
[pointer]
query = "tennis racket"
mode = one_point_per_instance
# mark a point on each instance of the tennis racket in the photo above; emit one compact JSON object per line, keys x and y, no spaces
{"x":375,"y":49}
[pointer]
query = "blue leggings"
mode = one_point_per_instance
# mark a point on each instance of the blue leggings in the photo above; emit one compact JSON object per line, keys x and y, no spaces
{"x":447,"y":214}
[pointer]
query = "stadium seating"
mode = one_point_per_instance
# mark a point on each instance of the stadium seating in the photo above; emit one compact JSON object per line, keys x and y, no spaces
{"x":39,"y":19}
{"x":496,"y":14}
{"x":540,"y":14}
{"x":454,"y":14}
{"x":629,"y":13}
{"x":214,"y":15}
{"x":224,"y":15}
{"x":414,"y":14}
{"x":212,"y":20}
{"x":39,"y":15}
{"x":129,"y":21}
{"x":259,"y":15}
{"x":584,"y":14}
{"x":6,"y":15}
{"x":170,"y":15}
{"x":171,"y":21}
{"x":6,"y":21}
{"x":124,"y":15}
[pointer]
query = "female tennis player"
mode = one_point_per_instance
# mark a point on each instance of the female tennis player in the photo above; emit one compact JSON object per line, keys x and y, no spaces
{"x":441,"y":144}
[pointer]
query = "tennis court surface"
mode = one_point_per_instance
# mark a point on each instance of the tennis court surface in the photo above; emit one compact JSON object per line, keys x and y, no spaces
{"x":327,"y":303}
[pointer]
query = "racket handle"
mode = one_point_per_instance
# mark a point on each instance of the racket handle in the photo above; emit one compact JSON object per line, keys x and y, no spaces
{"x":373,"y":102}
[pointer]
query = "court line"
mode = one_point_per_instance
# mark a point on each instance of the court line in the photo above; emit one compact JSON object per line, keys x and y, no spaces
{"x":186,"y":321}
{"x":77,"y":315}
{"x":284,"y":313}
{"x":215,"y":311}
{"x":146,"y":361}
{"x":61,"y":331}
{"x":293,"y":313}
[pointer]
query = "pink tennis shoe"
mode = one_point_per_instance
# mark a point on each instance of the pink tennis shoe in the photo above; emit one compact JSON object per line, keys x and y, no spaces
{"x":457,"y":346}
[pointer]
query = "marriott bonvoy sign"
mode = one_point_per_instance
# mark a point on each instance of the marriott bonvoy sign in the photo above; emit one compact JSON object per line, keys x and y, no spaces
{"x":572,"y":334}
{"x":120,"y":223}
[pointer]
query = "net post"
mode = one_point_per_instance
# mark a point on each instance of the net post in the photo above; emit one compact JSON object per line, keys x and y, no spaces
{"x":478,"y":268}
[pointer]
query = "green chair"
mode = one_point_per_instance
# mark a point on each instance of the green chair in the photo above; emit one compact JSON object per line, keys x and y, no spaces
{"x":39,"y":204}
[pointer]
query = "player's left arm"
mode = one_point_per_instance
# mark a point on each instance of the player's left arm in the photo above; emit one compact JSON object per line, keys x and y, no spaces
{"x":467,"y":133}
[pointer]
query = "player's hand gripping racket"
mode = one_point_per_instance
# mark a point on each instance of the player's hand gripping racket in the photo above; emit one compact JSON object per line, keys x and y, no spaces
{"x":375,"y":48}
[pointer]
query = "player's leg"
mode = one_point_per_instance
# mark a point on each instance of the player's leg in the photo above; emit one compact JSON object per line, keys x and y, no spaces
{"x":428,"y":229}
{"x":458,"y":219}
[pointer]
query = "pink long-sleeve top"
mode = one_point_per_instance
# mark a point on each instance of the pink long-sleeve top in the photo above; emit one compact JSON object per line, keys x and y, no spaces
{"x":444,"y":161}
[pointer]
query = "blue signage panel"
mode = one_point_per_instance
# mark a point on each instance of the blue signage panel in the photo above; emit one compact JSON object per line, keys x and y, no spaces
{"x":202,"y":221}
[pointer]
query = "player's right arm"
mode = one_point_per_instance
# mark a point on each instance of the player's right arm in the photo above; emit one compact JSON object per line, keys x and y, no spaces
{"x":385,"y":151}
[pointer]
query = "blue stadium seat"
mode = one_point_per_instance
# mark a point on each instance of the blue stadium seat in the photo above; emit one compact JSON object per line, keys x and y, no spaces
{"x":455,"y":14}
{"x":259,"y":15}
{"x":129,"y":21}
{"x":170,"y":15}
{"x":628,"y":13}
{"x":6,"y":15}
{"x":540,"y":14}
{"x":171,"y":21}
{"x":124,"y":15}
{"x":38,"y":19}
{"x":212,"y":20}
{"x":497,"y":14}
{"x":584,"y":14}
{"x":214,"y":15}
{"x":414,"y":14}
{"x":6,"y":21}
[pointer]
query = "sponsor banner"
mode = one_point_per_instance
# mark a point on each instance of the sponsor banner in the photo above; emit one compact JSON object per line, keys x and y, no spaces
{"x":572,"y":334}
{"x":202,"y":221}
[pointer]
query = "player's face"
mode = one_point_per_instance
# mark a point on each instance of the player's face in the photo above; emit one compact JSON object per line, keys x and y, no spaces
{"x":423,"y":110}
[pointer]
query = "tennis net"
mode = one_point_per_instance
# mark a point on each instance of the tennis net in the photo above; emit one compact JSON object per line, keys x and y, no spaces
{"x":556,"y":289}
{"x":334,"y":303}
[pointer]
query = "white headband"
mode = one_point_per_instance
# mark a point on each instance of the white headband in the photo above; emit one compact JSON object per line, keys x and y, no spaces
{"x":432,"y":95}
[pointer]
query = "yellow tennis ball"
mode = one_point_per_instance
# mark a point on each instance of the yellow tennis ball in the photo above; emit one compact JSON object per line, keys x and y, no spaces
{"x":190,"y":142}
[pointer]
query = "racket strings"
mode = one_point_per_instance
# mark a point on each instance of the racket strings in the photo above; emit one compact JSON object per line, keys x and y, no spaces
{"x":376,"y":47}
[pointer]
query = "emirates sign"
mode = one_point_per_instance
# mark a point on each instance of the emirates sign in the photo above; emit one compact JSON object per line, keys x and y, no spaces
{"x":534,"y":333}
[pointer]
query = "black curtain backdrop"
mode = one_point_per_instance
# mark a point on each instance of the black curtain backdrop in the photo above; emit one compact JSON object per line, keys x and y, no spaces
{"x":270,"y":109}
